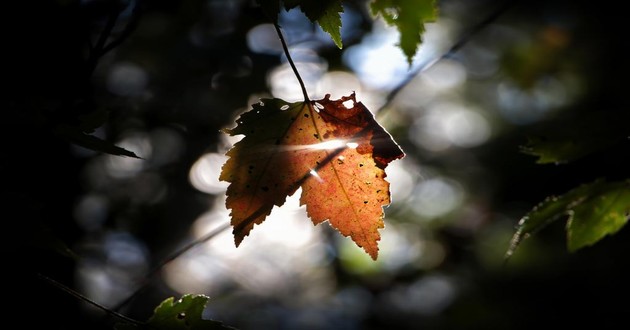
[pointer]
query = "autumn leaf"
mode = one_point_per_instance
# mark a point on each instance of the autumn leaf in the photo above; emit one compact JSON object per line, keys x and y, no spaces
{"x":336,"y":153}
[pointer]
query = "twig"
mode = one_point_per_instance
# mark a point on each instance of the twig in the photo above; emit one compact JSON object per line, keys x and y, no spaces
{"x":286,"y":52}
{"x":97,"y":50}
{"x":89,"y":301}
{"x":144,"y":284}
{"x":453,"y":49}
{"x":129,"y":28}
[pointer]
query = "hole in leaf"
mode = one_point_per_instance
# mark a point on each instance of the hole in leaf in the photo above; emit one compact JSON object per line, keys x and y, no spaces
{"x":284,"y":107}
{"x":181,"y":316}
{"x":348,"y":104}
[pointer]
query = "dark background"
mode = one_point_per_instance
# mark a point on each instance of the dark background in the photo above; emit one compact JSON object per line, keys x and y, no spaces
{"x":196,"y":85}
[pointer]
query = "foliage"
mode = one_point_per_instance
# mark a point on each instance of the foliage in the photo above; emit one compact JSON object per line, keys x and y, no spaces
{"x":593,"y":211}
{"x":63,"y":107}
{"x":183,"y":314}
{"x":336,"y":154}
{"x":408,"y":16}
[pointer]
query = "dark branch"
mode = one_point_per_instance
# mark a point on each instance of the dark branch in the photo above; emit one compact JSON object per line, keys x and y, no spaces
{"x":286,"y":52}
{"x":89,"y":301}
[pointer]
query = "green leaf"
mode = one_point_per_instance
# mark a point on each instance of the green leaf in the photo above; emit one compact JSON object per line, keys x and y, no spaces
{"x":183,"y":314}
{"x":77,"y":136}
{"x":409,"y":17}
{"x":326,"y":13}
{"x":570,"y":138}
{"x":557,"y":150}
{"x":603,"y":213}
{"x":594,"y":210}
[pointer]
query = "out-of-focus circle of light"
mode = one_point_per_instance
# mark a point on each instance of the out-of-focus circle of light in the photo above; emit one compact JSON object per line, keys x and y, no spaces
{"x":445,"y":74}
{"x":380,"y":63}
{"x":110,"y":280}
{"x":400,"y":179}
{"x":171,"y":146}
{"x":126,"y":252}
{"x":91,"y":212}
{"x":125,"y":167}
{"x":204,"y":173}
{"x":127,"y":79}
{"x":521,"y":106}
{"x":436,"y":197}
{"x":398,"y":247}
{"x":466,"y":128}
{"x":447,"y":124}
{"x":429,"y":295}
{"x":337,"y":84}
{"x":263,"y":39}
{"x":479,"y":61}
{"x":284,"y":84}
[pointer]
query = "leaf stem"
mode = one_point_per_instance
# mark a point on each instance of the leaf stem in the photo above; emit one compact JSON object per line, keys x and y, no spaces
{"x":286,"y":52}
{"x":89,"y":301}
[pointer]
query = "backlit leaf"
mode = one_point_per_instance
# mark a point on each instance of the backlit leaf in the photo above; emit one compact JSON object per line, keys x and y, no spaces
{"x":326,"y":13}
{"x":336,"y":154}
{"x":593,"y":211}
{"x":602,"y":213}
{"x":182,"y":314}
{"x":409,"y":17}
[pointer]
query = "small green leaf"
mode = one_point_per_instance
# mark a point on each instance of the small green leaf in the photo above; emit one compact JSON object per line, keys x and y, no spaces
{"x":550,"y":210}
{"x":557,"y":150}
{"x":594,"y":210}
{"x":183,"y":314}
{"x":77,"y":136}
{"x":326,"y":13}
{"x":409,"y":17}
{"x":570,"y":138}
{"x":603,"y":213}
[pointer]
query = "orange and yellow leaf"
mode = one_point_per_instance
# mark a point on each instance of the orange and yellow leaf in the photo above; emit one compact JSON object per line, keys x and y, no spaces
{"x":336,"y":154}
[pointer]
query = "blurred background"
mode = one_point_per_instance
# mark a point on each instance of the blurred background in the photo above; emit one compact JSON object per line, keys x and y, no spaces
{"x":106,"y":225}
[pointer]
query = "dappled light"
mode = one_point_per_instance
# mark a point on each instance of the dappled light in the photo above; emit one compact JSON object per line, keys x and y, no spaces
{"x":445,"y":125}
{"x":110,"y":277}
{"x":159,"y":149}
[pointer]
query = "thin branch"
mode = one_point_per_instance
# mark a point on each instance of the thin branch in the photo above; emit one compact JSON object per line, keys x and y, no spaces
{"x":97,"y":50}
{"x":286,"y":52}
{"x":129,"y":28}
{"x":89,"y":301}
{"x":463,"y":40}
{"x":144,"y":284}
